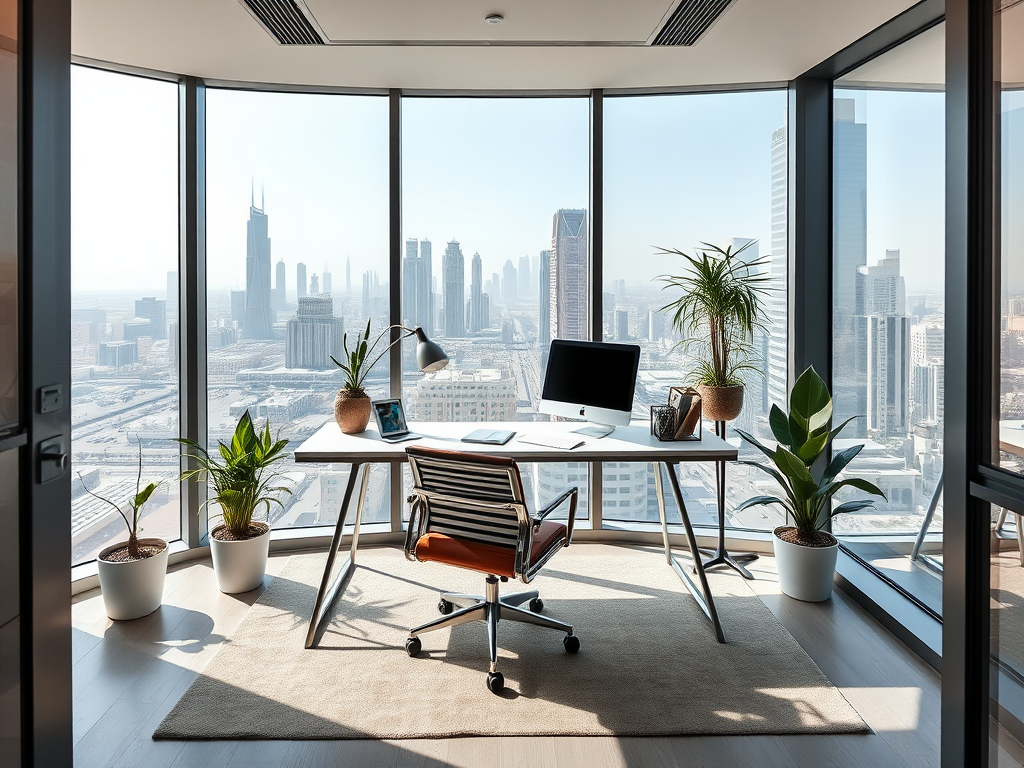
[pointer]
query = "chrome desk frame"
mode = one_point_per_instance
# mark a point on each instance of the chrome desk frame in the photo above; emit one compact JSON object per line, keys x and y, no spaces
{"x":331,"y":589}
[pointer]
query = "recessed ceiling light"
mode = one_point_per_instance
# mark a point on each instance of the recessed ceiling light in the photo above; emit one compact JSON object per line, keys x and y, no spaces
{"x":494,"y":18}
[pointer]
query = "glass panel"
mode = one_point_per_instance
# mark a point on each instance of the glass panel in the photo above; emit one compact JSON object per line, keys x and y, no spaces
{"x":313,"y":168}
{"x":888,"y":225}
{"x":124,"y":241}
{"x":501,"y":185}
{"x":681,"y":171}
{"x":8,"y":215}
{"x":1011,"y":244}
{"x":1007,"y":575}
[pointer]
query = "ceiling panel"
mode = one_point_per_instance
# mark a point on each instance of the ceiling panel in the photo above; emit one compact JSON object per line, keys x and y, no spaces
{"x":568,"y":20}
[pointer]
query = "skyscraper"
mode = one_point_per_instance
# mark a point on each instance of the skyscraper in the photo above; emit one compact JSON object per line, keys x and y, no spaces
{"x":888,"y":375}
{"x":426,"y":256}
{"x":775,"y":303}
{"x":327,"y":280}
{"x":524,"y":276}
{"x":313,"y":335}
{"x":569,"y":280}
{"x":509,"y":282}
{"x":314,"y":286}
{"x":259,"y":319}
{"x":849,"y":232}
{"x":476,"y":295}
{"x":453,"y":270}
{"x":154,"y":310}
{"x":544,"y":331}
{"x":300,"y":280}
{"x":280,"y":301}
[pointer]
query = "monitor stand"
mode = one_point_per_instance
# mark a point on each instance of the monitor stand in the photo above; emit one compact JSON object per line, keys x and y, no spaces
{"x":595,"y":430}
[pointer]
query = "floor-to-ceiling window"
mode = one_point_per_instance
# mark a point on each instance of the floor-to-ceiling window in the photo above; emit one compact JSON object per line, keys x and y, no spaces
{"x":681,"y":171}
{"x":495,"y":258}
{"x":1007,"y":563}
{"x":888,"y":299}
{"x":124,"y":255}
{"x":297,"y":256}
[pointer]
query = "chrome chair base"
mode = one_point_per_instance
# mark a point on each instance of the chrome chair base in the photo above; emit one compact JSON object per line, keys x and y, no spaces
{"x":490,"y":608}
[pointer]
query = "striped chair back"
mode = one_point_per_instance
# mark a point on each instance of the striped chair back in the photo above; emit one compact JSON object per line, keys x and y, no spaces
{"x":469,"y":496}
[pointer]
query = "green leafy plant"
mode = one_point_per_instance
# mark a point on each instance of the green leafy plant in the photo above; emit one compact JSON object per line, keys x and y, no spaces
{"x":136,"y":503}
{"x":355,"y":366}
{"x":241,"y":474}
{"x":718,"y":309}
{"x":804,"y":436}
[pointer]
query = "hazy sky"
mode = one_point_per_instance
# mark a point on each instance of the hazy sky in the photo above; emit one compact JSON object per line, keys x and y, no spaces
{"x":489,"y":172}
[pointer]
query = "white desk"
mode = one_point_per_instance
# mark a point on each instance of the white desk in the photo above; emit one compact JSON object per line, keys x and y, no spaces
{"x":632,"y":443}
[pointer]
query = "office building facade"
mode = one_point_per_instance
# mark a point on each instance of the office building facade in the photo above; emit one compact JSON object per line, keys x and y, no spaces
{"x":154,"y":310}
{"x":569,"y":281}
{"x":314,"y":334}
{"x":259,"y":314}
{"x":453,"y":272}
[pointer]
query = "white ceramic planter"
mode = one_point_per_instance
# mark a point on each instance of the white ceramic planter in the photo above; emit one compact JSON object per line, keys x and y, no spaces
{"x":805,"y":572}
{"x":240,"y":565}
{"x":135,"y":589}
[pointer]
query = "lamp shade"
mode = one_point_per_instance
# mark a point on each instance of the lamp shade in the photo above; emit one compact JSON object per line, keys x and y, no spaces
{"x":429,"y":355}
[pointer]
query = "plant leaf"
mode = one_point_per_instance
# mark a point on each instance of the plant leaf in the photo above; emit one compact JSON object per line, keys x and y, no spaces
{"x":143,"y":496}
{"x":780,"y":426}
{"x":839,"y":462}
{"x":758,"y":500}
{"x":754,"y":442}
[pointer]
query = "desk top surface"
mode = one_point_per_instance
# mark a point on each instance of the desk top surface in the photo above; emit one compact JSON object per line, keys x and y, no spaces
{"x":632,"y":443}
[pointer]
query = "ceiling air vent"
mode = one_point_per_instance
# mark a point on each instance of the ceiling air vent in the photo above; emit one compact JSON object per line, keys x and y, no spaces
{"x":690,"y":20}
{"x":284,"y":21}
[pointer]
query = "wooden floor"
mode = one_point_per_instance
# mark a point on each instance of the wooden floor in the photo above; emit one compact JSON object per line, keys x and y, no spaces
{"x":128,"y":675}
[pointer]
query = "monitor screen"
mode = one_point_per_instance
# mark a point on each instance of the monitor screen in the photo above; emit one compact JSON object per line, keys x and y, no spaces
{"x":590,"y":373}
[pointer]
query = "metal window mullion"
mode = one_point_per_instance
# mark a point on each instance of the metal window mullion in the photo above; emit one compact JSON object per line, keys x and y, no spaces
{"x":596,"y":237}
{"x":192,"y":372}
{"x":395,"y":278}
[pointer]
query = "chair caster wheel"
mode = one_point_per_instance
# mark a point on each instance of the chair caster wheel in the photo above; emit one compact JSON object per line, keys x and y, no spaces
{"x":571,"y":643}
{"x":495,"y":682}
{"x":444,"y":607}
{"x":537,"y":605}
{"x":414,"y":646}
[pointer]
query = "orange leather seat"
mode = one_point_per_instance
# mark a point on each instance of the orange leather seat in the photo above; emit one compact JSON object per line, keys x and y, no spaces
{"x":486,"y":558}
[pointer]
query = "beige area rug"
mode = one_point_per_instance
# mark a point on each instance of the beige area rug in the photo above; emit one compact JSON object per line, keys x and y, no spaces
{"x":649,"y":663}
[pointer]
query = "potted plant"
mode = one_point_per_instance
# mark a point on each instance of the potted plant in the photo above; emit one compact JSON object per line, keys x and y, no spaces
{"x":241,"y":476}
{"x":132,"y":572}
{"x":804,"y":553}
{"x":352,"y":404}
{"x":717,"y":311}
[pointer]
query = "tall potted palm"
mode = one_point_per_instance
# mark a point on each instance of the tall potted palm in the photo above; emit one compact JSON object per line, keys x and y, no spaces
{"x":131,"y":572}
{"x":805,"y":554}
{"x":718,"y":308}
{"x":240,"y":475}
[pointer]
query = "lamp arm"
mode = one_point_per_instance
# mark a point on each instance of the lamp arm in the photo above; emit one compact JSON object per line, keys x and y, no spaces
{"x":367,"y":369}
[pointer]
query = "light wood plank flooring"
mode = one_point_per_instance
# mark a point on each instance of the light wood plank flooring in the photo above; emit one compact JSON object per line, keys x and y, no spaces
{"x":128,"y":675}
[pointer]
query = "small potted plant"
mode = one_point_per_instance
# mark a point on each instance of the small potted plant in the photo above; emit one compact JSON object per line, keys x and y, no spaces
{"x":241,"y":476}
{"x":804,"y":553}
{"x":716,"y":313}
{"x":132,"y":572}
{"x":352,"y":404}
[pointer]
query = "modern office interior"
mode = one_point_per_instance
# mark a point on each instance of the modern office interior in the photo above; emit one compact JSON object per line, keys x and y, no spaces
{"x":202,"y":201}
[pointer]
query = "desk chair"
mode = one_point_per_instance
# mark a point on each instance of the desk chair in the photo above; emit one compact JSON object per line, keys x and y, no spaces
{"x":469,"y":511}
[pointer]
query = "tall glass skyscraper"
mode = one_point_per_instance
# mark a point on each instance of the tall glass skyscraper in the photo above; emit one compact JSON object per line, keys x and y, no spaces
{"x":259,"y":318}
{"x":476,"y":294}
{"x":453,"y":269}
{"x":849,"y":238}
{"x":569,"y":279}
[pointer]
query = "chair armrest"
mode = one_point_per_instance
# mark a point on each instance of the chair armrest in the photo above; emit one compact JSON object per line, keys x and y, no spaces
{"x":412,"y":533}
{"x":571,"y":494}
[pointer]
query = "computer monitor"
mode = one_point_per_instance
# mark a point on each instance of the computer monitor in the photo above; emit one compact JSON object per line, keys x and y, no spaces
{"x":590,"y":380}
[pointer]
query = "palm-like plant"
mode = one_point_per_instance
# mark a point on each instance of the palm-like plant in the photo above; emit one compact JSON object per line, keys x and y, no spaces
{"x":808,"y":484}
{"x":242,"y":474}
{"x":718,"y":309}
{"x":136,"y":503}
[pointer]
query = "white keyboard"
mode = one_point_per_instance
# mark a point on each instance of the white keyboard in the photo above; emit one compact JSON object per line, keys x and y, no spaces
{"x":565,"y":442}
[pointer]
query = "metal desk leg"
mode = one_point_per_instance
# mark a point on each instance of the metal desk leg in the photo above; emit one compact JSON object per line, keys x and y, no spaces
{"x":703,"y":595}
{"x":721,"y":556}
{"x":330,"y":591}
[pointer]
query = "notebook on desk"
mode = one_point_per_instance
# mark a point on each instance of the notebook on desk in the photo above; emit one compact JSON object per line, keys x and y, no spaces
{"x":565,"y":442}
{"x":489,"y":436}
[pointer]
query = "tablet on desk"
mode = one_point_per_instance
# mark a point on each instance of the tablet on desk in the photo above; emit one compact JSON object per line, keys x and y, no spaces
{"x":489,"y":436}
{"x":390,"y":418}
